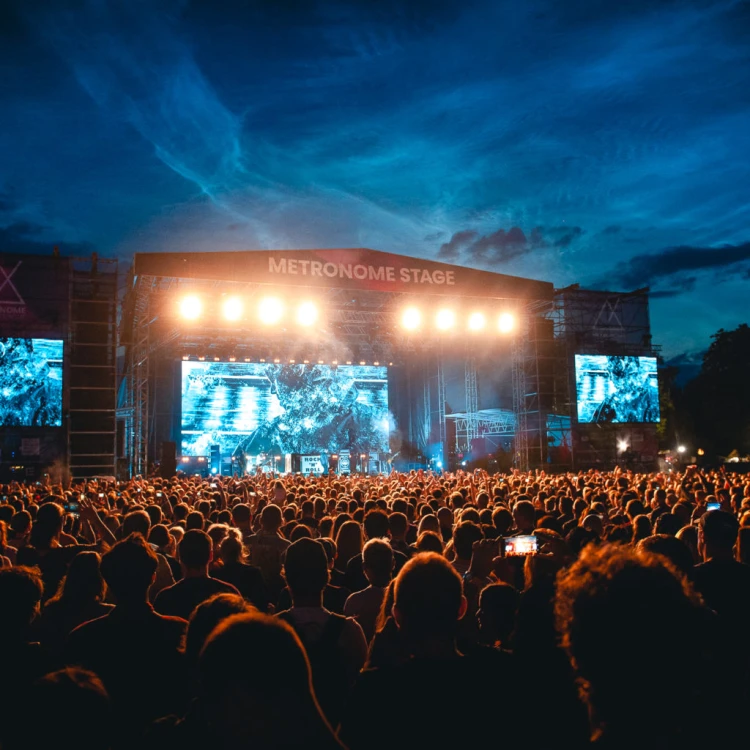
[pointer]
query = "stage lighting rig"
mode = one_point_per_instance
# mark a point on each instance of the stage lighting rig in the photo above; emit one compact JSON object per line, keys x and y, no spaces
{"x":506,"y":322}
{"x":270,"y":310}
{"x":191,"y":307}
{"x":445,"y":319}
{"x":233,"y":308}
{"x":307,"y":314}
{"x":411,"y":319}
{"x":477,"y":321}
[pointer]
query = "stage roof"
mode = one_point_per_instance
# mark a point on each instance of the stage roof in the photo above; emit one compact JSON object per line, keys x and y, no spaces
{"x":353,"y":268}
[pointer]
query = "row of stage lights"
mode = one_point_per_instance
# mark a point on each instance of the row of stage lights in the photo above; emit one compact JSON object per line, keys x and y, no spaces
{"x":281,"y":360}
{"x":271,"y":311}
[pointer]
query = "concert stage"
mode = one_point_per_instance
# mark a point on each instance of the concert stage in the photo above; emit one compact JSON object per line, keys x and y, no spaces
{"x":346,"y":360}
{"x":353,"y":360}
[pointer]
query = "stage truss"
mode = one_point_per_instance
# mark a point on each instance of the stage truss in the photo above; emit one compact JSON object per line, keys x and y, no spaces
{"x":360,"y":326}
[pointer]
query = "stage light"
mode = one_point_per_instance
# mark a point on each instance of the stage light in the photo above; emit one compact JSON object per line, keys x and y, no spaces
{"x":321,"y":362}
{"x":201,"y":359}
{"x":307,"y":314}
{"x":411,"y":319}
{"x":191,"y":307}
{"x":477,"y":321}
{"x":277,"y":361}
{"x":376,"y":363}
{"x":270,"y":310}
{"x":348,"y":361}
{"x":445,"y":320}
{"x":233,"y":308}
{"x":506,"y":322}
{"x":362,"y":362}
{"x":681,"y":448}
{"x":622,"y":446}
{"x":233,"y":359}
{"x":185,"y":357}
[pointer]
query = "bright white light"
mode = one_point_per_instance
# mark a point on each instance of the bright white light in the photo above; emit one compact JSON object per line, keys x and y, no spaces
{"x":214,"y":470}
{"x":270,"y":310}
{"x":463,"y":463}
{"x":440,"y":464}
{"x":622,"y":446}
{"x":477,"y":321}
{"x":445,"y":320}
{"x":506,"y":323}
{"x":411,"y":319}
{"x":307,"y":314}
{"x":233,"y":308}
{"x":681,"y":448}
{"x":386,"y":424}
{"x":191,"y":307}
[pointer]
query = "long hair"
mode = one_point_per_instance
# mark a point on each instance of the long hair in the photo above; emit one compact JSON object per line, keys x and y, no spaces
{"x":48,"y":525}
{"x":83,"y":583}
{"x":349,"y":543}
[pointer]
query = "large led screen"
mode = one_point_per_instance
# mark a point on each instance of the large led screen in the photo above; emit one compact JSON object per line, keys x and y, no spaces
{"x":258,"y":408}
{"x":616,"y":389}
{"x":31,"y":382}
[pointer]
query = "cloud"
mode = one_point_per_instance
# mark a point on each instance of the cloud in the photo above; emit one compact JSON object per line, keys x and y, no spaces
{"x":653,"y":268}
{"x":502,"y":246}
{"x":25,"y":238}
{"x":451,"y":250}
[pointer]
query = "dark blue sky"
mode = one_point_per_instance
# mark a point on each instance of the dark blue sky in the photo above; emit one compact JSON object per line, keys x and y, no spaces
{"x":595,"y":142}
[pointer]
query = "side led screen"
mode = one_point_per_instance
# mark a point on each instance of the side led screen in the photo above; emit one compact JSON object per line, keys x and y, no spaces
{"x":616,"y":389}
{"x":256,"y":408}
{"x":31,"y":382}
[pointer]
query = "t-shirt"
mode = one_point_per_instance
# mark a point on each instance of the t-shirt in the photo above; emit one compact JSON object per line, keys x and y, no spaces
{"x":267,"y":550}
{"x":364,"y":606}
{"x":180,"y":599}
{"x":725,"y":587}
{"x":487,"y":716}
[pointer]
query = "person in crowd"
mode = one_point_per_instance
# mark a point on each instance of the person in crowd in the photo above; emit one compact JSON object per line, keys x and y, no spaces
{"x":267,"y":548}
{"x":135,"y":651}
{"x":75,"y":709}
{"x":428,"y":605}
{"x":79,"y":598}
{"x":336,"y":645}
{"x":364,"y":606}
{"x":206,"y":616}
{"x":496,"y":616}
{"x":247,"y":579}
{"x":180,"y":599}
{"x":375,"y":527}
{"x":236,"y":708}
{"x":624,"y":615}
{"x":24,"y":659}
{"x":349,"y":543}
{"x":722,"y":581}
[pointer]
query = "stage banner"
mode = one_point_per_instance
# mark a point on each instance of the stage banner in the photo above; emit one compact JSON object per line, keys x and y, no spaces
{"x":357,"y":268}
{"x":34,"y":292}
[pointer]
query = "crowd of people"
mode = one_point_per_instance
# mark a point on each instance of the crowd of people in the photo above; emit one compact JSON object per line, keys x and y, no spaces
{"x":376,"y":611}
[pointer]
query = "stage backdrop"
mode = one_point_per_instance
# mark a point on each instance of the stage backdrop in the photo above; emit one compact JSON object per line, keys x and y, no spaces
{"x":357,"y":268}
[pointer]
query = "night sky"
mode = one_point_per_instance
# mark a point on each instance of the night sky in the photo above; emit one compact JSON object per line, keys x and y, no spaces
{"x":605,"y":143}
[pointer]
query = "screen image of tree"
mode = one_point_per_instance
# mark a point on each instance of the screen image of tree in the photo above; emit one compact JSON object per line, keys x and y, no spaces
{"x":623,"y":390}
{"x":256,"y":408}
{"x":31,"y":382}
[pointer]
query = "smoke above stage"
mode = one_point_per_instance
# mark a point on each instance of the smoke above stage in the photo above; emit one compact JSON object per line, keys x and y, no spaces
{"x":259,"y":407}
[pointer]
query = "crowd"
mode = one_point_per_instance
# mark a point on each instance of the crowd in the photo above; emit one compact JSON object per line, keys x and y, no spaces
{"x":376,"y":611}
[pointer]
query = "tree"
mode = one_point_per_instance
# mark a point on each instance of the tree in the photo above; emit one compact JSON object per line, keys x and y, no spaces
{"x":718,"y":399}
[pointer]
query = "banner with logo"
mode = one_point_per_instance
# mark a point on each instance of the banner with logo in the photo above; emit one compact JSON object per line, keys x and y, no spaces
{"x":356,"y":268}
{"x":34,"y":292}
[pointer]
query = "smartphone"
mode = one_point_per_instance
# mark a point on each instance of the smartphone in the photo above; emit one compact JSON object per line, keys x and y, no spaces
{"x":214,"y":486}
{"x":713,"y":506}
{"x":72,"y":508}
{"x":159,"y":494}
{"x":101,"y":495}
{"x":520,"y":546}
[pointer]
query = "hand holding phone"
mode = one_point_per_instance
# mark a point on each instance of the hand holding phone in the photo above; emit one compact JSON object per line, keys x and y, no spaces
{"x":520,"y":546}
